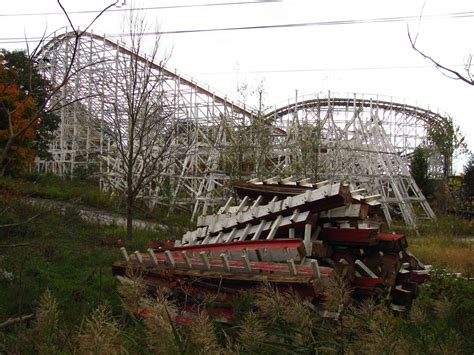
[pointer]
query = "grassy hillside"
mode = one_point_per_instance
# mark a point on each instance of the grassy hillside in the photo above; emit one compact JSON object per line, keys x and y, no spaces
{"x":42,"y":250}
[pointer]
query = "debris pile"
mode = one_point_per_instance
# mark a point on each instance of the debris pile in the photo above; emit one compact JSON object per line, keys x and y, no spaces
{"x":291,"y":234}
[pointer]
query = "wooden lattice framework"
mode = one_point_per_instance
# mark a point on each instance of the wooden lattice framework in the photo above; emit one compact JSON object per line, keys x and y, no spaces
{"x":362,"y":139}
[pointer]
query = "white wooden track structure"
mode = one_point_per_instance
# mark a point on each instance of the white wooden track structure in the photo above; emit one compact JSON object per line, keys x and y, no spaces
{"x":362,"y":139}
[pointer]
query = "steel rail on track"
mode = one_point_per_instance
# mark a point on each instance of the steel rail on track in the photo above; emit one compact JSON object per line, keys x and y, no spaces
{"x":423,"y":114}
{"x":123,"y":49}
{"x":420,"y":113}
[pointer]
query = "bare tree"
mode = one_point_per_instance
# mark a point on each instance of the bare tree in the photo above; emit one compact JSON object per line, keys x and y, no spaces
{"x":139,"y":119}
{"x":449,"y":72}
{"x":445,"y":135}
{"x":48,"y":105}
{"x":250,"y":143}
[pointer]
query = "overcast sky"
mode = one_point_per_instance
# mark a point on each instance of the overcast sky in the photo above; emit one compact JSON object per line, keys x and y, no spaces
{"x":374,"y":57}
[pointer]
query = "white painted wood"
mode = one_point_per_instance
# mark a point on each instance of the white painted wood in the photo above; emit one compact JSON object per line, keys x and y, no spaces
{"x":225,"y":262}
{"x":216,"y":223}
{"x":358,"y":192}
{"x":259,"y":231}
{"x":186,"y":259}
{"x":350,"y":211}
{"x":242,"y":204}
{"x":152,"y":255}
{"x":205,"y":260}
{"x":307,"y":239}
{"x":245,"y":232}
{"x":291,"y":233}
{"x":303,"y":181}
{"x":219,"y":237}
{"x":169,"y":258}
{"x":322,"y":184}
{"x":315,"y":268}
{"x":138,"y":256}
{"x":246,"y":261}
{"x":125,"y":254}
{"x":272,"y":180}
{"x":226,"y":206}
{"x":295,"y":214}
{"x":365,"y":268}
{"x":274,"y":228}
{"x":316,"y":233}
{"x":292,"y":267}
{"x":257,"y":202}
{"x":231,"y":235}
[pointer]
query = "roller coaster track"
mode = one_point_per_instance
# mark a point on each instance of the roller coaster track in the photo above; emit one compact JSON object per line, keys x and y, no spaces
{"x":123,"y":49}
{"x":423,"y":114}
{"x":362,"y":139}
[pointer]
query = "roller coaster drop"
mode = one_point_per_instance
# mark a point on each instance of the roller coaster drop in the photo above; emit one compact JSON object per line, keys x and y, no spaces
{"x":361,"y":139}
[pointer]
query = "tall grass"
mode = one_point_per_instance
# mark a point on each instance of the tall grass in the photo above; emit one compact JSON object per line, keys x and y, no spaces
{"x":447,"y":241}
{"x":61,"y":272}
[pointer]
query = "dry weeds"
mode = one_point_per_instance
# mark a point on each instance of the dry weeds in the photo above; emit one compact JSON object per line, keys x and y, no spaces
{"x":203,"y":335}
{"x":100,"y":334}
{"x":45,"y":327}
{"x":457,"y":255}
{"x":160,"y":337}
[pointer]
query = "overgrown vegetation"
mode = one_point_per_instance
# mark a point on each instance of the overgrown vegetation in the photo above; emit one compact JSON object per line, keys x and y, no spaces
{"x":88,"y":193}
{"x":447,"y":242}
{"x":26,"y":127}
{"x":59,"y":269}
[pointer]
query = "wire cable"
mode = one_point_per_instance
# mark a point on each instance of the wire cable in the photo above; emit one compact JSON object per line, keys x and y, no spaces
{"x":466,"y":14}
{"x":144,"y":8}
{"x":283,"y":71}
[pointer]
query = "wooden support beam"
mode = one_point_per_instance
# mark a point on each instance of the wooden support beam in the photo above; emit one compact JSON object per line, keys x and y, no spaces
{"x":242,"y":204}
{"x":291,"y":233}
{"x":169,"y":258}
{"x":151,"y":254}
{"x":257,"y":201}
{"x":227,"y":205}
{"x":272,"y":180}
{"x":186,"y":259}
{"x":245,"y":232}
{"x":205,"y":260}
{"x":292,"y":267}
{"x":275,"y":227}
{"x":328,"y":197}
{"x":245,"y":258}
{"x":259,"y":231}
{"x":307,"y":238}
{"x":315,"y":268}
{"x":322,"y":183}
{"x":231,"y":235}
{"x":225,"y":262}
{"x":288,"y":181}
{"x":365,"y":269}
{"x":219,"y":237}
{"x":138,"y":256}
{"x":295,"y":214}
{"x":125,"y":254}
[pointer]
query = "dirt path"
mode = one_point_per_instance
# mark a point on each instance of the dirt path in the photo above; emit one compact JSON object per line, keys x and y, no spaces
{"x":92,"y":215}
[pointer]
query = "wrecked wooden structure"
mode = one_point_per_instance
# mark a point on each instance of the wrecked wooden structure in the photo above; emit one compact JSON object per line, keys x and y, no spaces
{"x":292,"y":235}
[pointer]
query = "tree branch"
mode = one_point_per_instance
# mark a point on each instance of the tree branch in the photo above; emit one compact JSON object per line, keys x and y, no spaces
{"x":11,"y":321}
{"x":439,"y":66}
{"x":21,"y":223}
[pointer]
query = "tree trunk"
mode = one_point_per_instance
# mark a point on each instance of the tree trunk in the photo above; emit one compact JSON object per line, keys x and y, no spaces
{"x":130,"y":198}
{"x":4,"y":155}
{"x":129,"y":217}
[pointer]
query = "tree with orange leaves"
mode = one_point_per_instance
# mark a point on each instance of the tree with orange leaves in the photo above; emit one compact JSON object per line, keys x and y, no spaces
{"x":19,"y":119}
{"x":26,"y":112}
